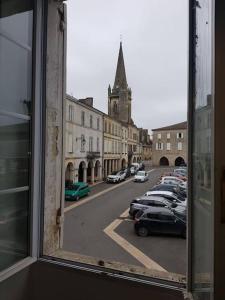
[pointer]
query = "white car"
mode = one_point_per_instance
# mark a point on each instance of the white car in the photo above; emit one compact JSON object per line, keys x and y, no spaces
{"x":133,"y":170}
{"x":141,"y":176}
{"x":171,"y":180}
{"x":116,"y":177}
{"x":136,"y":165}
{"x":170,"y":196}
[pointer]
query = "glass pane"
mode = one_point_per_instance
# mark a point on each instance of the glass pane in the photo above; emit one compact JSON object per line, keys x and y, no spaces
{"x":16,"y":20}
{"x":15,"y":61}
{"x":202,"y":237}
{"x":13,"y":228}
{"x":14,"y":152}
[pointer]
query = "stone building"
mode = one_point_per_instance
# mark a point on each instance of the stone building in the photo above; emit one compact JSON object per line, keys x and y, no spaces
{"x":120,"y":109}
{"x":134,"y":146}
{"x":84,"y":140}
{"x":112,"y":145}
{"x":146,"y":142}
{"x":170,"y":145}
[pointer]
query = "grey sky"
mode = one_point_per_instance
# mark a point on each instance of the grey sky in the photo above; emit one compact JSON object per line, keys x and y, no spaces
{"x":155,"y":43}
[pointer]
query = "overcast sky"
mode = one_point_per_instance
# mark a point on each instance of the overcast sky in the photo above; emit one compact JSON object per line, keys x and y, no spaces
{"x":155,"y":47}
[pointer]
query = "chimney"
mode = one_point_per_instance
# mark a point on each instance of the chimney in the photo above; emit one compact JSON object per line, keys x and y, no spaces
{"x":88,"y":101}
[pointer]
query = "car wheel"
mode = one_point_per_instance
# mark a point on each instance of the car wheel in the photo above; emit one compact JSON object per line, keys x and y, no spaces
{"x":142,"y":231}
{"x":88,"y":193}
{"x":77,"y":198}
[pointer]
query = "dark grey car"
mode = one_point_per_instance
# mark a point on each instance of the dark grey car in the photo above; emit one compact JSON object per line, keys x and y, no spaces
{"x":145,"y":202}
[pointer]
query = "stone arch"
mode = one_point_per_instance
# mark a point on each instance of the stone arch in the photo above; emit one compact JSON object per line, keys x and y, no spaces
{"x":123,"y":163}
{"x":164,"y":161}
{"x":89,"y":170}
{"x":134,"y":160}
{"x":179,"y":161}
{"x":81,"y":168}
{"x":69,"y":174}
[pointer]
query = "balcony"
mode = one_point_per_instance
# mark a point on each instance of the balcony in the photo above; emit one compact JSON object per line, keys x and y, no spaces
{"x":93,"y":155}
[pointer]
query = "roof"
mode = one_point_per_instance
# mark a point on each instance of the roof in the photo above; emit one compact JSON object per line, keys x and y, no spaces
{"x":120,"y":79}
{"x":182,"y":125}
{"x":75,"y":100}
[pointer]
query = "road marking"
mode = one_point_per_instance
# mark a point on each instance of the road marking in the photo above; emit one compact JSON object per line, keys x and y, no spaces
{"x":132,"y":250}
{"x":86,"y":200}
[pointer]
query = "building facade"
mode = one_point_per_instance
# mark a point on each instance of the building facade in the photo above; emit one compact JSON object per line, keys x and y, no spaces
{"x":134,"y":145}
{"x":84,"y":141}
{"x":146,"y":142}
{"x":112,"y":145}
{"x":170,"y":145}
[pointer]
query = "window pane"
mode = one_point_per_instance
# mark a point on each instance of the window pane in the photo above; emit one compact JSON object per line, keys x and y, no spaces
{"x":13,"y":228}
{"x":202,"y":237}
{"x":15,"y":121}
{"x":14,"y":152}
{"x":15,"y":61}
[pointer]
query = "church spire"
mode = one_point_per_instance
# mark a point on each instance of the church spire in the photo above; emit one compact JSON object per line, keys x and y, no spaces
{"x":120,"y":79}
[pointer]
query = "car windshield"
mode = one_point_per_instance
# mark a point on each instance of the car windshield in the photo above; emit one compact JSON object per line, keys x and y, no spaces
{"x":73,"y":187}
{"x":141,"y":173}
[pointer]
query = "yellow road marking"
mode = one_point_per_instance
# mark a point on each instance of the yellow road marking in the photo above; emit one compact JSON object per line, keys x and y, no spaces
{"x":132,"y":250}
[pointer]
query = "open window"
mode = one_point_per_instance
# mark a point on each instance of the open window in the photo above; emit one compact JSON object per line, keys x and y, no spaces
{"x":24,"y":126}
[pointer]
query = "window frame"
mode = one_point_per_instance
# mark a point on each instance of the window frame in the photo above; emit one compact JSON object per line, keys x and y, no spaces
{"x":38,"y":167}
{"x":37,"y":146}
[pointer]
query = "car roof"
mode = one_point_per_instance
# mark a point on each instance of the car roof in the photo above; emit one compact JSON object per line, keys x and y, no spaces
{"x":171,"y":178}
{"x":167,"y":193}
{"x":163,"y":210}
{"x":166,"y":185}
{"x":157,"y":198}
{"x":80,"y":183}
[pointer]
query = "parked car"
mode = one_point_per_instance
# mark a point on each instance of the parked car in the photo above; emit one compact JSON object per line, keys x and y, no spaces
{"x":178,"y":180}
{"x":127,"y":172}
{"x":180,"y":212}
{"x":172,"y":197}
{"x":136,"y":165}
{"x":116,"y":177}
{"x":170,"y":188}
{"x":159,"y":220}
{"x":141,"y":176}
{"x":178,"y":175}
{"x":171,"y":180}
{"x":141,"y":166}
{"x":180,"y":171}
{"x":145,"y":202}
{"x":133,"y":170}
{"x":183,"y":185}
{"x":77,"y":190}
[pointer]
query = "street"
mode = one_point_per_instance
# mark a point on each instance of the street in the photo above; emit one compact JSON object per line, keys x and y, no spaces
{"x":99,"y":226}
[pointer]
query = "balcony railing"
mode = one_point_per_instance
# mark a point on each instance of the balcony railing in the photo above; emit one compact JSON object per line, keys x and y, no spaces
{"x":93,"y":155}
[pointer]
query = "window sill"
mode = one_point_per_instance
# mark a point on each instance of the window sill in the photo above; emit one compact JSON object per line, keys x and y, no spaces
{"x":116,"y":269}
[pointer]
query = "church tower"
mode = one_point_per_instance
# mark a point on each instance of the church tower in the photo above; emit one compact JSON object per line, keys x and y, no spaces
{"x":119,"y":97}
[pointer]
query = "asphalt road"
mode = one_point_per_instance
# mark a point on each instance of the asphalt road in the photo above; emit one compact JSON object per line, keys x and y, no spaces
{"x":84,"y":228}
